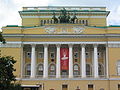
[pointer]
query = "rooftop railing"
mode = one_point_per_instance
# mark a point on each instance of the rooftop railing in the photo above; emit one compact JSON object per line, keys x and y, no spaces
{"x":67,"y":8}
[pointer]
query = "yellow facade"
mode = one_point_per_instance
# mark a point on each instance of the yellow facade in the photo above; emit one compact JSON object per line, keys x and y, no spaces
{"x":89,"y":29}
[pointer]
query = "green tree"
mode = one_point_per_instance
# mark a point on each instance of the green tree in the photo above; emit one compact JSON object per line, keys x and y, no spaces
{"x":1,"y":38}
{"x":6,"y":73}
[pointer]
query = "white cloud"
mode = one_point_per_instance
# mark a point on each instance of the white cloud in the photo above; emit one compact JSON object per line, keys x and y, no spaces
{"x":9,"y":10}
{"x":114,"y":17}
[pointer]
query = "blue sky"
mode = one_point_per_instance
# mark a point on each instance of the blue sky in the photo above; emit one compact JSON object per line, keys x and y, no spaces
{"x":9,"y":8}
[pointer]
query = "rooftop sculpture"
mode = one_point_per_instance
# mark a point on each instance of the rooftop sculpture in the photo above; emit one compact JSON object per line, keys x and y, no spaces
{"x":64,"y":17}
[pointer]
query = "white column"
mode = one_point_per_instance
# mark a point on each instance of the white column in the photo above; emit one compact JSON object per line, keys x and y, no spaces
{"x":45,"y":72}
{"x":33,"y":62}
{"x":83,"y":61}
{"x":22,"y":61}
{"x":106,"y":60}
{"x":70,"y":61}
{"x":58,"y":62}
{"x":95,"y":62}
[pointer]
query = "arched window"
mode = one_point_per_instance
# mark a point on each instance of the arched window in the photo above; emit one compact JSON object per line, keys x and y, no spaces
{"x":118,"y":67}
{"x":101,"y":69}
{"x":40,"y":69}
{"x":28,"y":69}
{"x":76,"y":69}
{"x":88,"y":70}
{"x":52,"y":69}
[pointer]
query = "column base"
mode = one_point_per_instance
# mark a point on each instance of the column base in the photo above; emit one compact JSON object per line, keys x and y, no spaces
{"x":70,"y":76}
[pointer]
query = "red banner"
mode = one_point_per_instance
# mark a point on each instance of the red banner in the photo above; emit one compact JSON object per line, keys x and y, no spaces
{"x":64,"y":58}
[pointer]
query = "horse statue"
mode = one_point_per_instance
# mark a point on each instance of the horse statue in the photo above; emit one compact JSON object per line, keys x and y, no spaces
{"x":54,"y":18}
{"x":73,"y":18}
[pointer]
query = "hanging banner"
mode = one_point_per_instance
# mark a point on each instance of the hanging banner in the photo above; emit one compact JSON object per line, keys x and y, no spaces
{"x":64,"y":58}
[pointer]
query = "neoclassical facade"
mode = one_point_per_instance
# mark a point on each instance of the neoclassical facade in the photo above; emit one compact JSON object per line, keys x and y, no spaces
{"x":64,"y":48}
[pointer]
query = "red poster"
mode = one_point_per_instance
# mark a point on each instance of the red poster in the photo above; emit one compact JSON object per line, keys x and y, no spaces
{"x":64,"y":58}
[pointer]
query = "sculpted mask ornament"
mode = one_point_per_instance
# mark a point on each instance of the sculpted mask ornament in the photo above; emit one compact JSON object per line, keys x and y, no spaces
{"x":50,"y":29}
{"x":78,"y":29}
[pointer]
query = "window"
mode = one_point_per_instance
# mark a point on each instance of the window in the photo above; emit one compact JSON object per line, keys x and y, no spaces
{"x":28,"y":69}
{"x":52,"y":69}
{"x":28,"y":54}
{"x":90,"y":87}
{"x":100,"y":69}
{"x":88,"y":69}
{"x":40,"y":69}
{"x":118,"y":86}
{"x":76,"y":69}
{"x":99,"y":54}
{"x":64,"y":87}
{"x":52,"y":55}
{"x":64,"y":73}
{"x":41,"y":55}
{"x":75,"y":55}
{"x":118,"y":67}
{"x":87,"y":54}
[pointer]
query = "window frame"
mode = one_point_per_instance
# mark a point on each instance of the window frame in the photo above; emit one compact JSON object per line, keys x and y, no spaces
{"x":42,"y":56}
{"x":28,"y":56}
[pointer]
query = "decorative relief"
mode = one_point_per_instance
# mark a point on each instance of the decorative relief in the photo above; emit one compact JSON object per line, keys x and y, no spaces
{"x":78,"y":29}
{"x":64,"y":29}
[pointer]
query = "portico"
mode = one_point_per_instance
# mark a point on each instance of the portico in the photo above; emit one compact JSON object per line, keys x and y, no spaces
{"x":84,"y":60}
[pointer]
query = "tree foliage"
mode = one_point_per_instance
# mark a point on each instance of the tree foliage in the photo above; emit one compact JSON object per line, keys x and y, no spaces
{"x":2,"y":39}
{"x":6,"y":73}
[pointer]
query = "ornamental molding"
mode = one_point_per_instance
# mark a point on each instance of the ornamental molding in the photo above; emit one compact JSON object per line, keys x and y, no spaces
{"x":57,"y":16}
{"x":12,"y":45}
{"x":114,"y":45}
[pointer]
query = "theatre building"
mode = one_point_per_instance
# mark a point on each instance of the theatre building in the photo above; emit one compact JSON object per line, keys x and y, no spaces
{"x":64,"y":48}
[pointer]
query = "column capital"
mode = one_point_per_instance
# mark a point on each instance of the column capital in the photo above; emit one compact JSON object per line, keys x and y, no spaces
{"x":58,"y":45}
{"x":70,"y":45}
{"x":33,"y":45}
{"x":95,"y":45}
{"x":45,"y":45}
{"x":83,"y":45}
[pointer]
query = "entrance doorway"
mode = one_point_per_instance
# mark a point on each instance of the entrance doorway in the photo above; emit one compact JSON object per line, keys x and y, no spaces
{"x":90,"y":87}
{"x":64,"y":87}
{"x":30,"y":88}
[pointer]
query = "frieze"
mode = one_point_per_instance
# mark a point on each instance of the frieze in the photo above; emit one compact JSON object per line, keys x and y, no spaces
{"x":63,"y":29}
